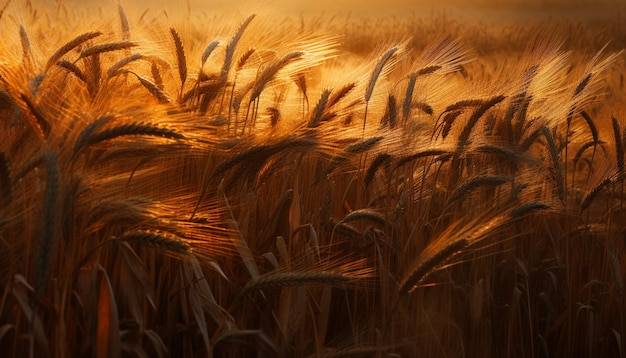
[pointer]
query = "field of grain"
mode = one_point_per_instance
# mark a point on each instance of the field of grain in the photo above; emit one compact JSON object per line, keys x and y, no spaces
{"x":258,"y":183}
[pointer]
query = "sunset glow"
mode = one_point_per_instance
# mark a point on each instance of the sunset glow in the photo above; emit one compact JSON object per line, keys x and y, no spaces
{"x":324,"y":178}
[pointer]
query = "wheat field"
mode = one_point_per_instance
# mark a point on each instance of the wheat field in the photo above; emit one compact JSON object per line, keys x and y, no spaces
{"x":254,"y":184}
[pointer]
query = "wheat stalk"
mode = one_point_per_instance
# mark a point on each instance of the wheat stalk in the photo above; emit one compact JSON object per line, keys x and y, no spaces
{"x":5,"y":181}
{"x":619,"y":146}
{"x":47,"y":237}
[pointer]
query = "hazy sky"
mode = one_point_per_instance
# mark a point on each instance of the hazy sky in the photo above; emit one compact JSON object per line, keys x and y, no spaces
{"x":360,"y":6}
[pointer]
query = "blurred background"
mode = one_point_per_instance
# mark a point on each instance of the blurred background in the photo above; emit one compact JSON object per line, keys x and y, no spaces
{"x":366,"y":7}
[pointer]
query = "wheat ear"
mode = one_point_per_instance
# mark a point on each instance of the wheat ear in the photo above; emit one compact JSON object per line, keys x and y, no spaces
{"x":556,"y":163}
{"x":73,"y":69}
{"x":232,"y":45}
{"x":180,"y":58}
{"x":364,"y":145}
{"x":319,"y":109}
{"x":123,"y":22}
{"x":115,"y":69}
{"x":290,"y":279}
{"x":376,"y":163}
{"x":482,"y":180}
{"x":68,"y":46}
{"x":129,"y":129}
{"x":429,"y":260}
{"x":159,"y":240}
{"x":154,"y":89}
{"x":107,"y":47}
{"x":208,"y":51}
{"x":375,"y":74}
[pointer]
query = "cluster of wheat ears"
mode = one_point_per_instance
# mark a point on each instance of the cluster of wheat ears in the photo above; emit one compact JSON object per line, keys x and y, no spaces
{"x":255,"y":191}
